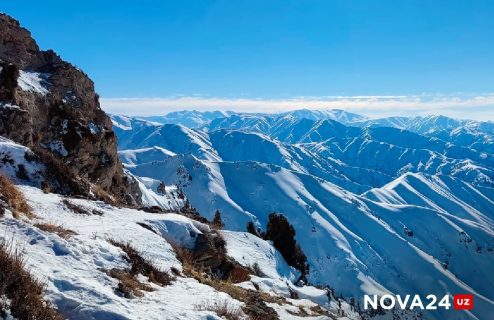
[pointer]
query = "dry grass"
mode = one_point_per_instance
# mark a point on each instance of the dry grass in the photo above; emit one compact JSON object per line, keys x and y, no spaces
{"x":301,"y":312}
{"x":239,"y":274}
{"x":76,"y":208}
{"x":103,"y":195}
{"x":140,"y":265}
{"x":14,"y":198}
{"x":128,"y":285}
{"x":223,"y":309}
{"x":24,"y":292}
{"x":56,"y":229}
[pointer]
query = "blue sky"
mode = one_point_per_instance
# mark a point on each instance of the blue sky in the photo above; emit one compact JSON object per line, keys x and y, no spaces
{"x":280,"y":53}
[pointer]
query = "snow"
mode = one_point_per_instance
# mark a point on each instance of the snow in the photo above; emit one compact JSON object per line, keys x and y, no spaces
{"x":33,"y":81}
{"x":373,"y":207}
{"x":151,"y":197}
{"x":9,"y":106}
{"x":144,"y":155}
{"x":14,"y":156}
{"x":73,"y":268}
{"x":249,"y":250}
{"x":93,"y":128}
{"x":58,"y":147}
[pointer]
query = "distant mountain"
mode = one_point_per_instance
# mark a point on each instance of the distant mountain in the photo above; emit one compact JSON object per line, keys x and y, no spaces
{"x":203,"y":119}
{"x":357,"y":159}
{"x":191,"y":119}
{"x":477,"y":135}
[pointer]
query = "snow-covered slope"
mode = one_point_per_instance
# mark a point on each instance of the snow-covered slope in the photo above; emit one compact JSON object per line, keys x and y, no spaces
{"x":354,"y":244}
{"x":69,"y":245}
{"x":75,"y":268}
{"x":134,"y":134}
{"x":376,"y":208}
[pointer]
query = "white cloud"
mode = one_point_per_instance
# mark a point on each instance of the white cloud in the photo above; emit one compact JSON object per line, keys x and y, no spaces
{"x":479,"y":107}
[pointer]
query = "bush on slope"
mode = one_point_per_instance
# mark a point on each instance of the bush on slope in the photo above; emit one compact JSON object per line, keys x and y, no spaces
{"x":24,"y":294}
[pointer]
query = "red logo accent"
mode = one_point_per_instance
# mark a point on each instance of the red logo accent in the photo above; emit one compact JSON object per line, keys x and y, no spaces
{"x":463,"y":301}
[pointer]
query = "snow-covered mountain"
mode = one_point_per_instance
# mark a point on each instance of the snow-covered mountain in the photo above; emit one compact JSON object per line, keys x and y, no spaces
{"x":354,"y":158}
{"x":376,"y":209}
{"x":191,"y":119}
{"x":203,"y":119}
{"x":85,"y":251}
{"x":478,"y":135}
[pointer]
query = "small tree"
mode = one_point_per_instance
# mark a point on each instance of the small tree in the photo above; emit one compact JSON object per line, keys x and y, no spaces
{"x":217,"y":222}
{"x":251,"y":228}
{"x":282,"y":233}
{"x":161,"y":188}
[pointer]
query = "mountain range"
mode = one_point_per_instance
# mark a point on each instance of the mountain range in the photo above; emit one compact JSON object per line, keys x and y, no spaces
{"x":397,"y":205}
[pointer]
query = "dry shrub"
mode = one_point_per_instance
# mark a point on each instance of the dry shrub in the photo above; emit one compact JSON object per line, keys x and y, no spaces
{"x":318,"y":310}
{"x":56,"y":229}
{"x":140,"y":265}
{"x":46,"y":188}
{"x":128,"y":285}
{"x":24,"y":292}
{"x":75,"y":207}
{"x":239,"y":274}
{"x":14,"y":198}
{"x":184,"y":255}
{"x":223,"y":309}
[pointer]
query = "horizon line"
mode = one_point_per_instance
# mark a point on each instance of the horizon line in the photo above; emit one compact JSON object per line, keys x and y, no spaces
{"x":462,"y":106}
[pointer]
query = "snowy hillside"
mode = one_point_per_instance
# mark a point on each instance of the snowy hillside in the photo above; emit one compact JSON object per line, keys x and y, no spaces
{"x":84,"y":252}
{"x":376,"y":209}
{"x":351,"y":242}
{"x":75,"y":267}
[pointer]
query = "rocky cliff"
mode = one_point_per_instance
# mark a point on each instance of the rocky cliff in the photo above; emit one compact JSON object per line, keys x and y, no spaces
{"x":51,"y":106}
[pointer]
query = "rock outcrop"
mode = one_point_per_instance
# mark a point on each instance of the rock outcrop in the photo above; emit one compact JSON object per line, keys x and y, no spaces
{"x":51,"y":106}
